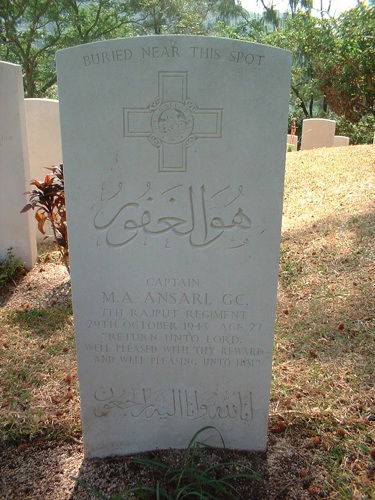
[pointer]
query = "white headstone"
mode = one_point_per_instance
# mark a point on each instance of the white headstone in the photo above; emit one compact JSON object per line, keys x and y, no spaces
{"x":44,"y":139}
{"x":174,"y":151}
{"x":43,"y":135}
{"x":291,"y":142}
{"x":16,"y":229}
{"x":340,"y":140}
{"x":317,"y":133}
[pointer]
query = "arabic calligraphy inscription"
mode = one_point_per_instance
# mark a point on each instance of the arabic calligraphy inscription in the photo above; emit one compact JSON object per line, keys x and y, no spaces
{"x":198,"y":215}
{"x":174,"y":403}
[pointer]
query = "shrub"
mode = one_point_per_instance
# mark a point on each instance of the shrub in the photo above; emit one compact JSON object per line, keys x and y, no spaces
{"x":359,"y":133}
{"x":48,"y":202}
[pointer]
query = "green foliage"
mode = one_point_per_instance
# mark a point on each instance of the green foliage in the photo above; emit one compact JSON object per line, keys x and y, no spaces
{"x":361,"y":132}
{"x":170,"y":16}
{"x":333,"y":67}
{"x":193,"y":478}
{"x":185,"y":16}
{"x":32,"y":30}
{"x":48,"y":202}
{"x":10,"y":267}
{"x":95,"y":20}
{"x":333,"y":59}
{"x":253,"y":30}
{"x":30,"y":36}
{"x":345,"y":63}
{"x":228,"y":11}
{"x":299,"y":35}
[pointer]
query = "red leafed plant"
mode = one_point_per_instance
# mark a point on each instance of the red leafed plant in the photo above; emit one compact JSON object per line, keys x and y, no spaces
{"x":48,"y":202}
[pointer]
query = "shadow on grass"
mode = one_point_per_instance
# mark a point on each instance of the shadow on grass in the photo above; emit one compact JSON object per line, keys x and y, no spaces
{"x":326,"y":287}
{"x":8,"y":289}
{"x":42,"y":322}
{"x":60,"y":294}
{"x":273,"y":474}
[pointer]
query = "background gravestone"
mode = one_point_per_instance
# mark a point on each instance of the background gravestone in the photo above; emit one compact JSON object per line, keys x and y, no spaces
{"x":16,"y":229}
{"x":291,"y":142}
{"x":340,"y":140}
{"x":317,"y":133}
{"x":43,"y":135}
{"x":174,"y":152}
{"x":44,"y":140}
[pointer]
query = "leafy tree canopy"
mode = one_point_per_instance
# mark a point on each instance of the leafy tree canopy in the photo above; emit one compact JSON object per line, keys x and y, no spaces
{"x":32,"y":30}
{"x":345,"y":62}
{"x":333,"y":61}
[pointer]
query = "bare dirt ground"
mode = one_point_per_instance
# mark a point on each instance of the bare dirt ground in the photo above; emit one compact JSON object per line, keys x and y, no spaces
{"x":290,"y":469}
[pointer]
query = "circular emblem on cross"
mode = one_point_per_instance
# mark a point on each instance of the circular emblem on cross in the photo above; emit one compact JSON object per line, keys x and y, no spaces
{"x":172,"y":122}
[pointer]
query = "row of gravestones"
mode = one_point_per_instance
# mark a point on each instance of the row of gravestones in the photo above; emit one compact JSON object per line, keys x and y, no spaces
{"x":29,"y":140}
{"x":317,"y":133}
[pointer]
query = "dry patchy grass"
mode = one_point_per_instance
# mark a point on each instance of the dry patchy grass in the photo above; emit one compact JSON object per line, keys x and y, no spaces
{"x":38,"y":374}
{"x":324,"y":349}
{"x":323,"y":381}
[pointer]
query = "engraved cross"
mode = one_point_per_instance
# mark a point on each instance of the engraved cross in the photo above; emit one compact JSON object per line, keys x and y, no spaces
{"x":172,"y":122}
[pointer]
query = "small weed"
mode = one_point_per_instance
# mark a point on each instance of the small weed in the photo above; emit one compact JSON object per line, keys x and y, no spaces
{"x":195,"y":477}
{"x":10,"y":268}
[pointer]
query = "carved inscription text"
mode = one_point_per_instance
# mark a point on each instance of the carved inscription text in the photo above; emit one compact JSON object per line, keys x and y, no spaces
{"x":182,"y":211}
{"x":174,"y":403}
